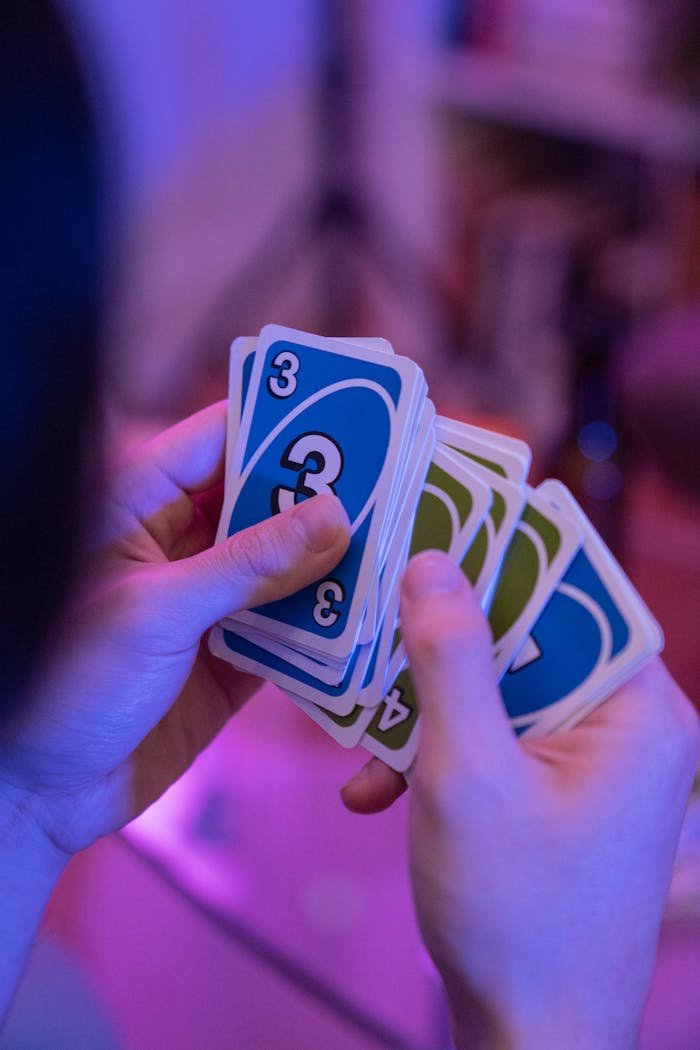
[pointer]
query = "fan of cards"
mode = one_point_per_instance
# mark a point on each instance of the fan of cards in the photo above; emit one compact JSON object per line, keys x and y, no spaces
{"x":309,"y":415}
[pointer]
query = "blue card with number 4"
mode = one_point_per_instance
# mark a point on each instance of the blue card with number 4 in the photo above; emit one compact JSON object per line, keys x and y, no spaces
{"x":319,"y":417}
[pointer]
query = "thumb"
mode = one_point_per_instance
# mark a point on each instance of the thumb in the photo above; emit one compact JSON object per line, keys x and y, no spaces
{"x":260,"y":564}
{"x":449,"y":648}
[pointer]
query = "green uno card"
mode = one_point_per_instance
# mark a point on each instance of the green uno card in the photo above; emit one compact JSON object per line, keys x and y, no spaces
{"x":541,"y":549}
{"x":392,"y":735}
{"x":452,"y":507}
{"x":499,"y":453}
{"x":500,"y":467}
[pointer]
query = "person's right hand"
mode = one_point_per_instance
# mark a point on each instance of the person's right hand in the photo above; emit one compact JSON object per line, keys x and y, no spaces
{"x":130,"y":693}
{"x":539,"y":868}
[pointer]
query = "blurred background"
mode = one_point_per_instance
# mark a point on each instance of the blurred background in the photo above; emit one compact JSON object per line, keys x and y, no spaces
{"x":509,"y":191}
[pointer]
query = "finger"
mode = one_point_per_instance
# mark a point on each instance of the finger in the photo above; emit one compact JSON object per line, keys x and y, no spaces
{"x":261,"y":564}
{"x":449,"y":648}
{"x":374,"y":788}
{"x":165,"y":471}
{"x":190,"y":455}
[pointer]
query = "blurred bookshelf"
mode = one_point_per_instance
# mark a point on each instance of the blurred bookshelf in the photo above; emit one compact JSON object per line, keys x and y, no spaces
{"x":570,"y":142}
{"x":599,"y":112}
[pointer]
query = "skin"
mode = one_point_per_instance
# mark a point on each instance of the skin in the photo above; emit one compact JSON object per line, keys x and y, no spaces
{"x":540,"y":868}
{"x":130,"y":694}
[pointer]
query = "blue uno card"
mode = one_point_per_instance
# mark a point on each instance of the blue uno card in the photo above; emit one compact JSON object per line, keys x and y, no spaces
{"x":579,"y":631}
{"x":593,"y":630}
{"x":247,"y":656}
{"x":241,"y":362}
{"x":319,"y":418}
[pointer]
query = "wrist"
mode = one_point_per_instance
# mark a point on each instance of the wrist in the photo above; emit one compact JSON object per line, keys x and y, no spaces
{"x":481,"y":1025}
{"x":543,"y":1035}
{"x":30,"y":866}
{"x":25,"y":847}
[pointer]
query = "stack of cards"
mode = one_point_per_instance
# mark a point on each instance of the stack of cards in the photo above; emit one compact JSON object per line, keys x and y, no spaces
{"x":310,"y":415}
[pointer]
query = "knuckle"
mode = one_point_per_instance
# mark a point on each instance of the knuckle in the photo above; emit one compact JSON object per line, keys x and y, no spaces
{"x":444,"y":636}
{"x":439,"y":792}
{"x":255,"y":552}
{"x":133,"y":606}
{"x":453,"y":767}
{"x":452,"y":792}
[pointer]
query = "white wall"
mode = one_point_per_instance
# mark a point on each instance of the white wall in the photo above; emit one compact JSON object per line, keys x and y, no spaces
{"x":214,"y":140}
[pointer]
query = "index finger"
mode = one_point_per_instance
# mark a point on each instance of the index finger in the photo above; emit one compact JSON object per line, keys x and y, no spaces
{"x":373,"y":789}
{"x":166,"y":470}
{"x":190,"y":455}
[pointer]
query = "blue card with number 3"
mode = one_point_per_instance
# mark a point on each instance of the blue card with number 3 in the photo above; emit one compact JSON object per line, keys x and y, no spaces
{"x":321,"y":417}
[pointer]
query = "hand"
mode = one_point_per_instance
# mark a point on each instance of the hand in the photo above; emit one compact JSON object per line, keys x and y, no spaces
{"x":131,"y":693}
{"x":539,"y":868}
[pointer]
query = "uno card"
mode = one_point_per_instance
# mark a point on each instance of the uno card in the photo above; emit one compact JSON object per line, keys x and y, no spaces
{"x":594,"y":632}
{"x":330,"y":674}
{"x":309,"y":415}
{"x":540,"y":550}
{"x":241,"y":360}
{"x":483,"y":559}
{"x":506,"y":456}
{"x":380,"y":346}
{"x":348,"y":729}
{"x":485,"y":555}
{"x":414,"y":477}
{"x":375,"y":683}
{"x":453,"y":504}
{"x":242,"y":356}
{"x":299,"y":436}
{"x":251,"y":657}
{"x":421,"y":459}
{"x":392,"y":734}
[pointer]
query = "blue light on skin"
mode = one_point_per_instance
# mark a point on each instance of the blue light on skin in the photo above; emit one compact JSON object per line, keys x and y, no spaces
{"x":597,"y":440}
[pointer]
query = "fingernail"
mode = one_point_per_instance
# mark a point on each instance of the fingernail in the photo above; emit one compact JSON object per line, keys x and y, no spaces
{"x":431,"y":572}
{"x":322,"y":519}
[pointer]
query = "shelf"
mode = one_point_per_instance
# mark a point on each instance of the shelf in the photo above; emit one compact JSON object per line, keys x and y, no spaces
{"x":593,"y":110}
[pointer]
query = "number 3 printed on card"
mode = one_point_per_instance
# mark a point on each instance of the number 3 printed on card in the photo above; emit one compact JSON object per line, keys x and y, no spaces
{"x":285,"y":382}
{"x":323,"y":461}
{"x":327,"y":594}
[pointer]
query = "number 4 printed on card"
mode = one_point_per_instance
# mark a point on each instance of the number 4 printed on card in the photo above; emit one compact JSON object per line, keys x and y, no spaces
{"x":394,"y":711}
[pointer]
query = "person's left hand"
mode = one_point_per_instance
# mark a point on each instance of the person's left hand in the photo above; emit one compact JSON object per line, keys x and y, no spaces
{"x":539,"y":866}
{"x":131,"y":694}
